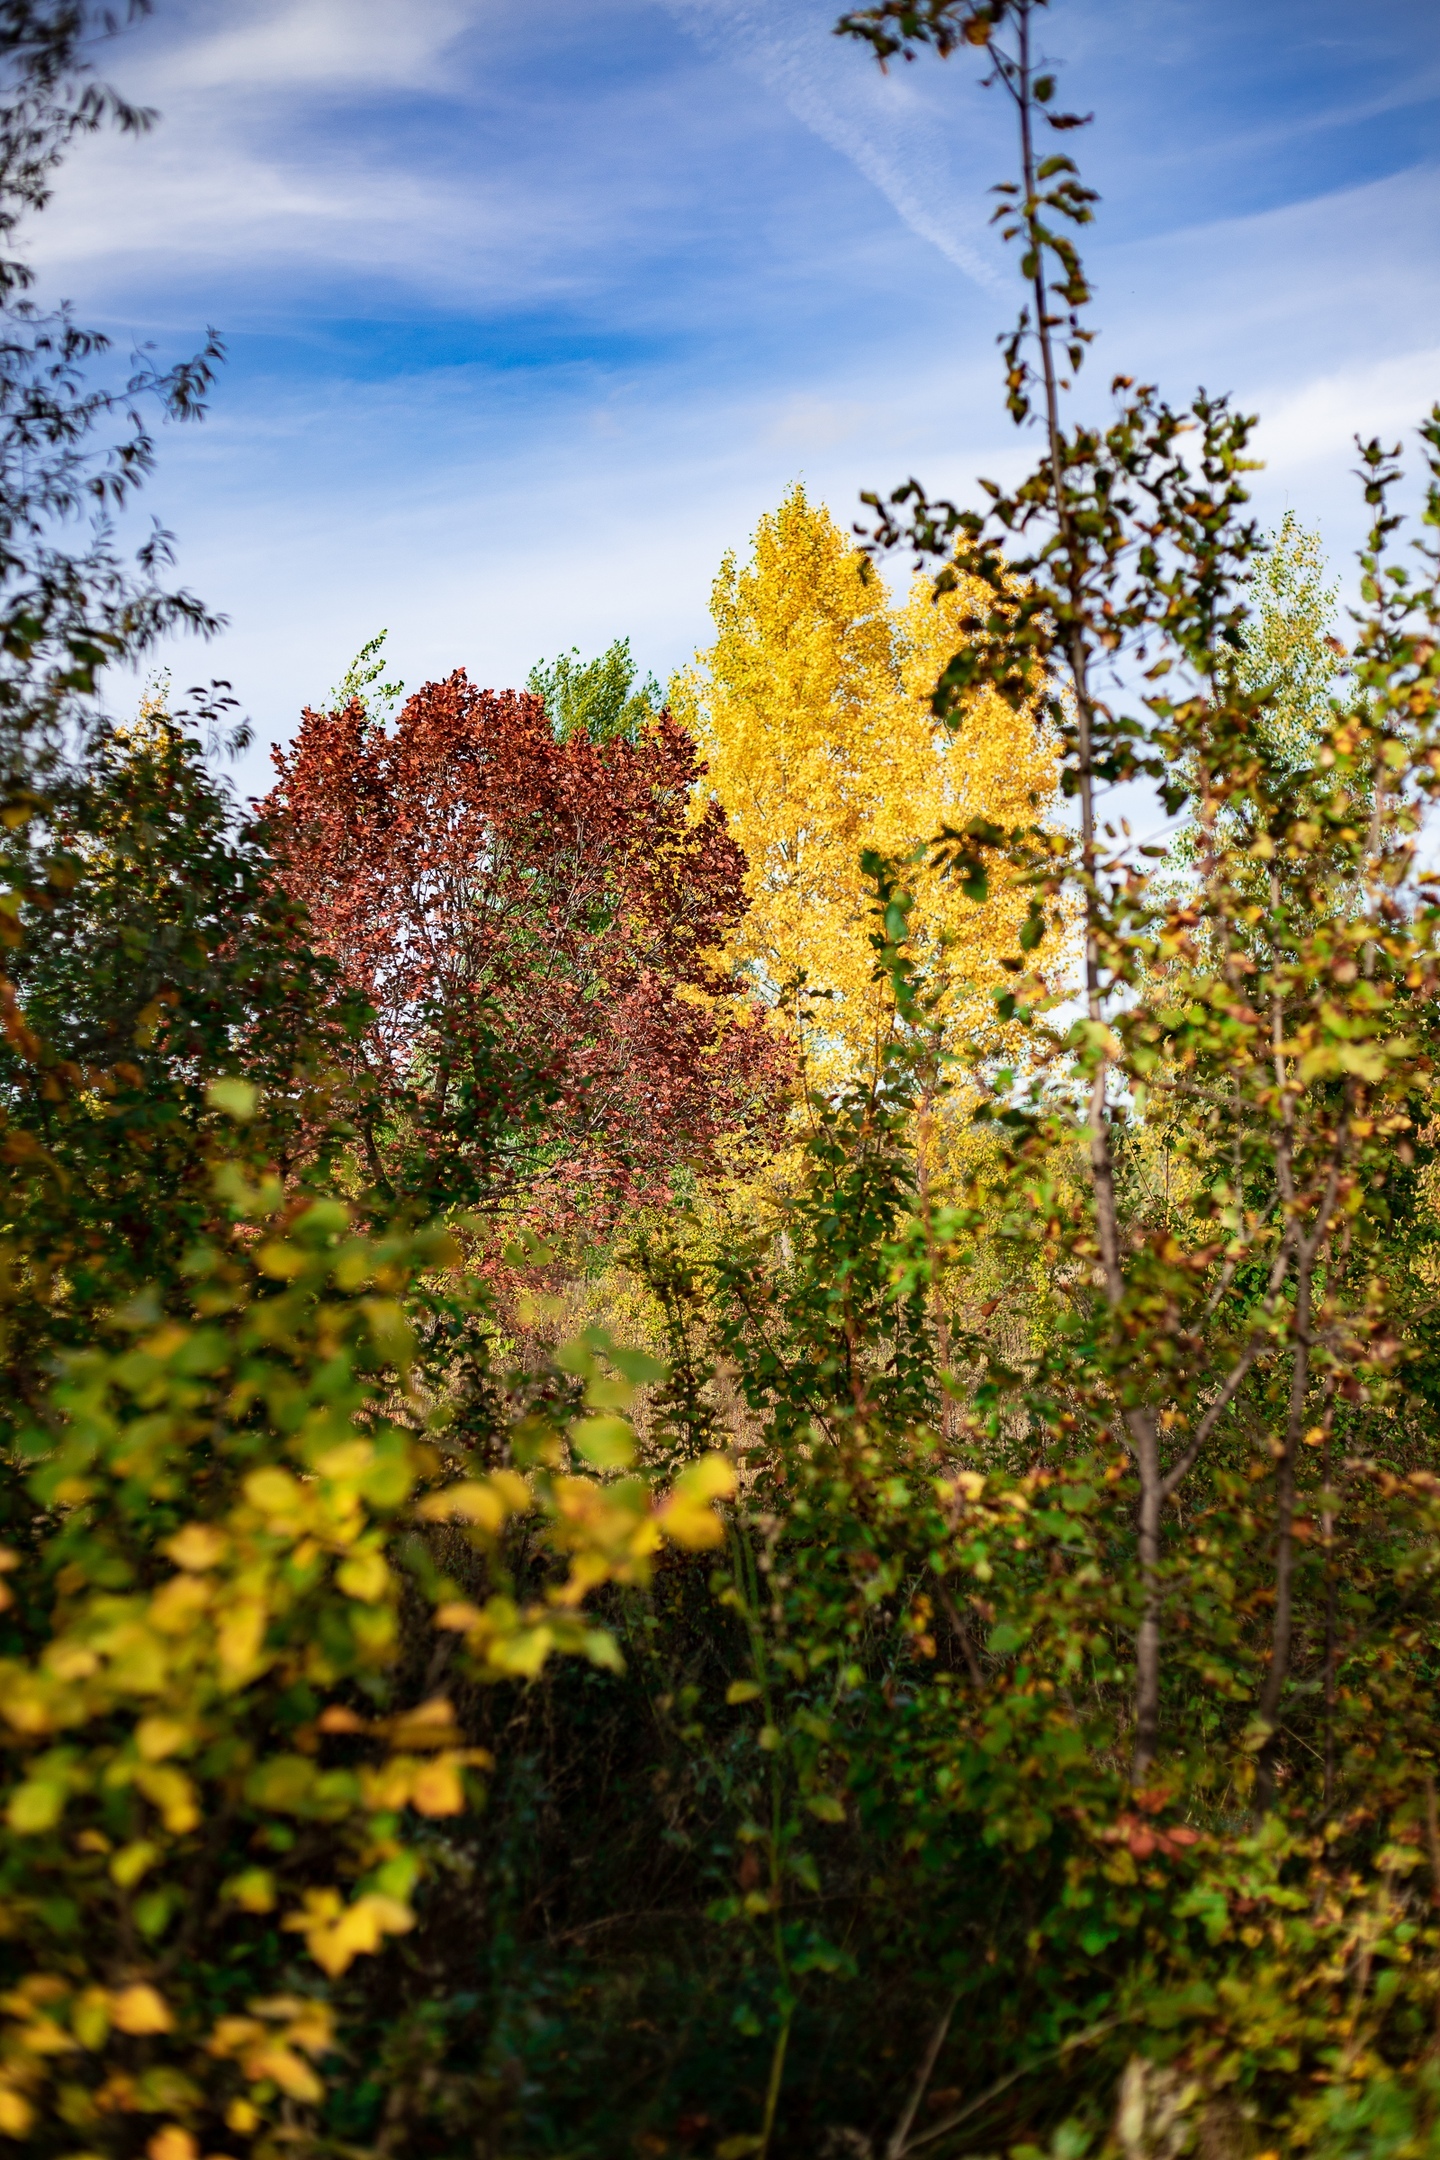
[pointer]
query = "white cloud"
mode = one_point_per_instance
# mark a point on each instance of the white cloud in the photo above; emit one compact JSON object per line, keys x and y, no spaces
{"x":806,"y":422}
{"x":1318,"y":422}
{"x":196,"y":198}
{"x":316,"y":44}
{"x":274,"y":152}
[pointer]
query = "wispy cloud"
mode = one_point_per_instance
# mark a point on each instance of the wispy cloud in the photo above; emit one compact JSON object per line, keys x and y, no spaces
{"x":895,"y":134}
{"x":1317,"y":423}
{"x":348,"y":140}
{"x":328,"y":45}
{"x":198,"y":198}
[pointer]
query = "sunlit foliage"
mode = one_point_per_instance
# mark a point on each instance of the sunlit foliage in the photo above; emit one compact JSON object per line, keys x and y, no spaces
{"x":813,"y":711}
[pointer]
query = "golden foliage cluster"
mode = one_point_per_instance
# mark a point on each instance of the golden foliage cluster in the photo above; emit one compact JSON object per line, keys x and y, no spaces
{"x":813,"y":709}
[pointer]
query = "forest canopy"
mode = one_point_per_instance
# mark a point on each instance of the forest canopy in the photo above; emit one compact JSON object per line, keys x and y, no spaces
{"x":717,"y":1434}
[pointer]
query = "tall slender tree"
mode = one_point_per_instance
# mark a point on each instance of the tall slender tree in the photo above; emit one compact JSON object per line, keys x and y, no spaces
{"x":814,"y":709}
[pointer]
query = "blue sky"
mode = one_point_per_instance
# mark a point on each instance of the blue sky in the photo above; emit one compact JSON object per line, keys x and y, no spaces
{"x":533,"y":311}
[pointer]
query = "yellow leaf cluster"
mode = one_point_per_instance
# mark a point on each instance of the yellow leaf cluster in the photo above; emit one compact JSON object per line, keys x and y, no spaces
{"x":336,"y":1933}
{"x":273,"y":2041}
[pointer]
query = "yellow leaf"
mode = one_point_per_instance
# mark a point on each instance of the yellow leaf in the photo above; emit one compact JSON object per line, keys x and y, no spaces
{"x":170,"y":2142}
{"x":276,"y":2061}
{"x":308,"y":2024}
{"x":157,"y":1737}
{"x":468,"y":1502}
{"x":69,"y":1660}
{"x":16,"y":2113}
{"x":436,"y":1789}
{"x":138,"y":1659}
{"x":337,"y":1718}
{"x":602,"y":1649}
{"x":512,"y":1489}
{"x":374,"y":1628}
{"x":253,"y":1890}
{"x":176,"y":1604}
{"x":609,"y":1392}
{"x":238,"y":1639}
{"x":42,"y":2036}
{"x":231,"y":2034}
{"x":166,"y":1340}
{"x":1365,"y":1060}
{"x":523,"y":1652}
{"x":688,"y":1517}
{"x":347,"y":1460}
{"x":172,"y":1792}
{"x":429,"y":1724}
{"x":275,"y":1493}
{"x":365,"y":1576}
{"x":130,"y":1863}
{"x":90,"y":2018}
{"x":196,"y":1547}
{"x":388,"y":1787}
{"x":138,"y":2009}
{"x":25,"y":1703}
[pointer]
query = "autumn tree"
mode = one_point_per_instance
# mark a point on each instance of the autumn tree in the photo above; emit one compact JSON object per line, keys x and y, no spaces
{"x":539,"y":927}
{"x":814,"y":709}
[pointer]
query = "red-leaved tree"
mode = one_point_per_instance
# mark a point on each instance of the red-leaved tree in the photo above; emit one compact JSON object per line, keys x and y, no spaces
{"x":539,"y":927}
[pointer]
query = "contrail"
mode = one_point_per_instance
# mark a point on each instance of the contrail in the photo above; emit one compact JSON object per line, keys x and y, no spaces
{"x":877,"y":122}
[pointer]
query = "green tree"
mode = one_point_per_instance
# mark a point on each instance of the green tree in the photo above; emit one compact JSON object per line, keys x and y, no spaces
{"x":601,"y":698}
{"x":1291,"y":656}
{"x":365,"y":679}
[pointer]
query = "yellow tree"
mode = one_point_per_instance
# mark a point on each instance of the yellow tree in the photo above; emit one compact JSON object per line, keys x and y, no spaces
{"x":813,"y":709}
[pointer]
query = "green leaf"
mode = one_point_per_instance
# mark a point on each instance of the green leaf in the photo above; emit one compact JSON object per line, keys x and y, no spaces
{"x":638,"y":1366}
{"x":607,"y":1442}
{"x":238,"y":1099}
{"x":601,"y":1649}
{"x":35,"y":1806}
